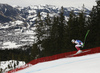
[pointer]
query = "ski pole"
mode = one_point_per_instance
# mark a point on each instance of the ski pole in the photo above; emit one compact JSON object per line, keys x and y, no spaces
{"x":85,"y":37}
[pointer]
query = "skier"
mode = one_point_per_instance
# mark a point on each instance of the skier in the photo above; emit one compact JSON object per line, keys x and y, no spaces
{"x":78,"y":44}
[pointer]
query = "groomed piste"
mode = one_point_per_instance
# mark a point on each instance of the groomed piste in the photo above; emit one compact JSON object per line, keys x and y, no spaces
{"x":52,"y":62}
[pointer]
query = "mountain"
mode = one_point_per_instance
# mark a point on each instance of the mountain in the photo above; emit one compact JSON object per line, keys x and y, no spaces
{"x":17,"y":23}
{"x":8,"y":13}
{"x":30,"y":12}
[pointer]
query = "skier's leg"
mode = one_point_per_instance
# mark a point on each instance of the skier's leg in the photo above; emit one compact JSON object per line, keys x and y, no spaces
{"x":77,"y":48}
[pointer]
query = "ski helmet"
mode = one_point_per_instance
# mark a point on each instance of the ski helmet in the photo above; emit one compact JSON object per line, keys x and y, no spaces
{"x":72,"y":40}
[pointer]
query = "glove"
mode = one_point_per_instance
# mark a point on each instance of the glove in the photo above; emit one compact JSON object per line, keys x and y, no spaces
{"x":82,"y":46}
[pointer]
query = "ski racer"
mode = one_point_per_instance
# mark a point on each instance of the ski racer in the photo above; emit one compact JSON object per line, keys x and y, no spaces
{"x":78,"y":45}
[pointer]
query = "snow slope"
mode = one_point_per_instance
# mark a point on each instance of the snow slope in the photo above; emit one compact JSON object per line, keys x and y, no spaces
{"x":82,"y":64}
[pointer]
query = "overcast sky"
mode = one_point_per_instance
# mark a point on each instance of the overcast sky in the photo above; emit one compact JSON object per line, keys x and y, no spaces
{"x":65,"y":3}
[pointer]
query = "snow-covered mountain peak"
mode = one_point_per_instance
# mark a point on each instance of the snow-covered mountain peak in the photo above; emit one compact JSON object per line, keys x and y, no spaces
{"x":42,"y":6}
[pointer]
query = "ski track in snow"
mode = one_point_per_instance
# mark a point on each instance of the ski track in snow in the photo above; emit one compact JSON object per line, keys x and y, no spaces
{"x":61,"y":64}
{"x":42,"y":66}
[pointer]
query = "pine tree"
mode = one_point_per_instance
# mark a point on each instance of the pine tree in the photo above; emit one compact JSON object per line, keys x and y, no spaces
{"x":55,"y":35}
{"x":54,"y":44}
{"x":54,"y":28}
{"x":72,"y":26}
{"x":61,"y":29}
{"x":35,"y":51}
{"x":81,"y":25}
{"x":50,"y":43}
{"x":39,"y":28}
{"x":94,"y":26}
{"x":47,"y":24}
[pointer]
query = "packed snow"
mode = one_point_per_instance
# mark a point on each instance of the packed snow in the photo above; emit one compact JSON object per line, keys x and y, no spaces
{"x":83,"y":64}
